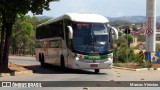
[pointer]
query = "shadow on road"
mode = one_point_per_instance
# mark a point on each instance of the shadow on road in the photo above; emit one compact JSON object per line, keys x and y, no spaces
{"x":50,"y":69}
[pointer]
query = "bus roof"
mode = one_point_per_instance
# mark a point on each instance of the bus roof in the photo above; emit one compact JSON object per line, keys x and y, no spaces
{"x":77,"y":17}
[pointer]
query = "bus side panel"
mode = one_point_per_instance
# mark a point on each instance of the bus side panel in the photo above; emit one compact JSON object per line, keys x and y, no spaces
{"x":54,"y":52}
{"x":53,"y":56}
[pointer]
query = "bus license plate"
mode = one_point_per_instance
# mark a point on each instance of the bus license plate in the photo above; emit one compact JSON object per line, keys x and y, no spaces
{"x":93,"y":65}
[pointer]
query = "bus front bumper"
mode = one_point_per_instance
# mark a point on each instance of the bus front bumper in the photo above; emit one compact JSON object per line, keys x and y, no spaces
{"x":82,"y":65}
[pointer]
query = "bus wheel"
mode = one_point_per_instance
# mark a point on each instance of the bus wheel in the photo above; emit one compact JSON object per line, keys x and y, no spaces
{"x":96,"y":70}
{"x":40,"y":57}
{"x":42,"y":61}
{"x":62,"y":62}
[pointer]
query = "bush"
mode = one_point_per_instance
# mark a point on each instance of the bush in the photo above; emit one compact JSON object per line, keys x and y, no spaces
{"x":134,"y":58}
{"x":157,"y":47}
{"x":121,"y":52}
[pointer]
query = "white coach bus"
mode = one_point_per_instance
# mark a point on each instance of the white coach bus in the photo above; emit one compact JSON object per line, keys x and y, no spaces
{"x":78,"y":41}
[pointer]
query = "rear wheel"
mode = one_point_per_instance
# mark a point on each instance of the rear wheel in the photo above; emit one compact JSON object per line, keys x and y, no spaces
{"x":40,"y":57}
{"x":96,"y":70}
{"x":43,"y":64}
{"x":62,"y":62}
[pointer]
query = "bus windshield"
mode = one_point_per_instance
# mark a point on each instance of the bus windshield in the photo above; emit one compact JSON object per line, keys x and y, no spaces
{"x":90,"y":37}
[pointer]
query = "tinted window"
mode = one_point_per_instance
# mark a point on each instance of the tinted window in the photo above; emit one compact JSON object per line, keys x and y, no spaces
{"x":50,"y":30}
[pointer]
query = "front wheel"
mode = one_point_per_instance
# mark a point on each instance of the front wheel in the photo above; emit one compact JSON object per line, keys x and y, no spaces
{"x":96,"y":70}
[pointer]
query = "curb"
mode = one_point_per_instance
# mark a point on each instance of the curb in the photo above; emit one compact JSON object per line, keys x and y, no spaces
{"x":23,"y":72}
{"x":5,"y":74}
{"x":158,"y":69}
{"x":140,"y":69}
{"x":16,"y":73}
{"x":123,"y":68}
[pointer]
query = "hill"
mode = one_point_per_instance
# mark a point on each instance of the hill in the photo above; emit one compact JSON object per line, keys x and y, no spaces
{"x":43,"y":17}
{"x":132,"y":19}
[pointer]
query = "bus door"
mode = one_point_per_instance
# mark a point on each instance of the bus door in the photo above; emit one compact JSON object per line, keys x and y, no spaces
{"x":68,"y":55}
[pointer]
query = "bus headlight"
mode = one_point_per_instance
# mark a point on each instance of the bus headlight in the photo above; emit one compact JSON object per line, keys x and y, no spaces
{"x":78,"y":56}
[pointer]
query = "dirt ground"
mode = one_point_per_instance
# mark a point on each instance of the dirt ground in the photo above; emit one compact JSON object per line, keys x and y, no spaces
{"x":14,"y":67}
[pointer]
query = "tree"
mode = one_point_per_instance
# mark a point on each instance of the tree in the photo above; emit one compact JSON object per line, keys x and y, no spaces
{"x":9,"y":10}
{"x":33,"y":20}
{"x":22,"y":36}
{"x":130,"y":40}
{"x":120,"y":51}
{"x":119,"y":34}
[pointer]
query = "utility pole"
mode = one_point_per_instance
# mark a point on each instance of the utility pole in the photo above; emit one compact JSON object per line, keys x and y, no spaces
{"x":150,"y":28}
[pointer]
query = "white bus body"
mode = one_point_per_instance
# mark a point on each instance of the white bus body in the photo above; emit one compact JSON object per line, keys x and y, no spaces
{"x":78,"y":41}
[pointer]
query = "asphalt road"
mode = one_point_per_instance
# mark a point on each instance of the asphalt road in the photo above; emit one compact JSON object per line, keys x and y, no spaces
{"x":52,"y":73}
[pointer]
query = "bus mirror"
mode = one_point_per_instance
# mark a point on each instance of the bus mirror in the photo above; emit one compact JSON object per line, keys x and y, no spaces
{"x":115,"y":32}
{"x":70,"y":32}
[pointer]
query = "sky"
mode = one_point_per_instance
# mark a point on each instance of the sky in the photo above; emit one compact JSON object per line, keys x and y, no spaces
{"x":111,"y":8}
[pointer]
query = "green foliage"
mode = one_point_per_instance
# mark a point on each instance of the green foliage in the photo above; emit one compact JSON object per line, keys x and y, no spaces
{"x":130,"y":39}
{"x":44,"y":20}
{"x":23,"y":6}
{"x":23,"y":36}
{"x":141,"y":38}
{"x":33,"y":20}
{"x":132,"y":56}
{"x":9,"y":11}
{"x":121,"y":51}
{"x":119,"y":34}
{"x":122,"y":54}
{"x":123,"y":40}
{"x":157,"y":47}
